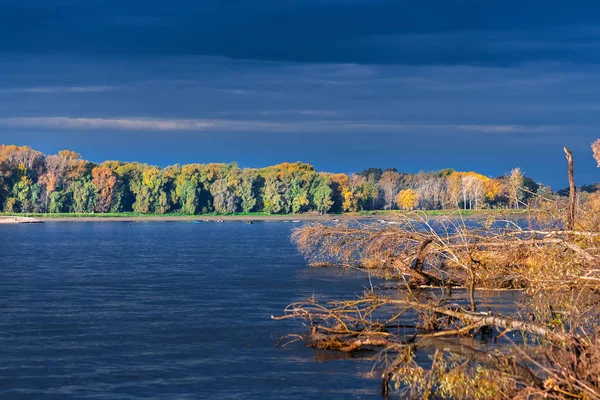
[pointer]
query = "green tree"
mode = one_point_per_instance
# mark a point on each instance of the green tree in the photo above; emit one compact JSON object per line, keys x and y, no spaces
{"x":84,"y":197}
{"x":57,"y":202}
{"x":273,"y":202}
{"x":247,"y":190}
{"x":321,"y":194}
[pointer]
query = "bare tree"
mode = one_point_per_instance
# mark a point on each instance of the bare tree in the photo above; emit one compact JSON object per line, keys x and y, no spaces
{"x":390,"y":185}
{"x":596,"y":150}
{"x":514,"y":182}
{"x":572,"y":192}
{"x":432,"y":192}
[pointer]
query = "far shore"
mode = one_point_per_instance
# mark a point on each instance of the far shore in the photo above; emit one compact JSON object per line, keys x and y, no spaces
{"x":200,"y":218}
{"x":384,"y":215}
{"x":18,"y":220}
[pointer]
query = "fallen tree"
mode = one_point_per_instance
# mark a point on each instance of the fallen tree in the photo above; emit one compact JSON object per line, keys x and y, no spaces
{"x":436,"y":273}
{"x":557,"y":272}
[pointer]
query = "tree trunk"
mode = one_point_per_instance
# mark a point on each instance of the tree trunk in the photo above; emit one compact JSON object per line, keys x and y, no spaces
{"x":571,"y":206}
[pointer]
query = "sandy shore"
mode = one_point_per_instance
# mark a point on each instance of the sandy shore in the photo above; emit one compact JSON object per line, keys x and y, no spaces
{"x":19,"y":220}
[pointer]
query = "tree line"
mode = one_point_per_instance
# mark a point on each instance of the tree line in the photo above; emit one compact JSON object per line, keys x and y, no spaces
{"x":31,"y":181}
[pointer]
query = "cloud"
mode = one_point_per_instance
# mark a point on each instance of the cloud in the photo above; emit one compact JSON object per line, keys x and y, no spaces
{"x":58,"y":89}
{"x":238,"y":92}
{"x":105,"y":123}
{"x":300,"y":126}
{"x":310,"y":113}
{"x":482,"y":128}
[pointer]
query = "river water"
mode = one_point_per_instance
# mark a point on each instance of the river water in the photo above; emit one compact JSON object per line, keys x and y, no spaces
{"x":166,"y":310}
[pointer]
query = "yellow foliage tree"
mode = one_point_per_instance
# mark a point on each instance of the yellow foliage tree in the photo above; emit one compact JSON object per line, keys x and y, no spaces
{"x":407,"y":199}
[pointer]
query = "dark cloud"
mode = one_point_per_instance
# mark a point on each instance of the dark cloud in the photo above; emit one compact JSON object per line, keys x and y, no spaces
{"x":374,"y":32}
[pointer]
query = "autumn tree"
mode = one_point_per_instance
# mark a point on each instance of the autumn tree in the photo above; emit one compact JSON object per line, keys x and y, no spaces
{"x":104,"y":180}
{"x":151,"y":193}
{"x":340,"y":186}
{"x":353,"y":193}
{"x":30,"y":162}
{"x":62,"y":169}
{"x":33,"y":182}
{"x":407,"y":199}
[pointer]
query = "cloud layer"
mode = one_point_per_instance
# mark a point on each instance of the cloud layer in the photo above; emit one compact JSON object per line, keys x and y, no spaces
{"x":428,"y":32}
{"x":58,"y":89}
{"x":296,"y":126}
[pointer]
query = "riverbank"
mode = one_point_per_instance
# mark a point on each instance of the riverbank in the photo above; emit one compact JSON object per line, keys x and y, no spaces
{"x":18,"y":220}
{"x":189,"y":218}
{"x":135,"y":217}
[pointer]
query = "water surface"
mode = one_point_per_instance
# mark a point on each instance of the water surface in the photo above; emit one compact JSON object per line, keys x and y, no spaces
{"x":103,"y":310}
{"x":170,"y":310}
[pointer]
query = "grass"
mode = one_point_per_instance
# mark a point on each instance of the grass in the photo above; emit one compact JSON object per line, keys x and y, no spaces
{"x":131,"y":215}
{"x":382,"y":213}
{"x":466,"y":213}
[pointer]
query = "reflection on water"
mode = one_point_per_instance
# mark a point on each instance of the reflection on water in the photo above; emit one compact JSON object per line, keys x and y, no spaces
{"x":105,"y":310}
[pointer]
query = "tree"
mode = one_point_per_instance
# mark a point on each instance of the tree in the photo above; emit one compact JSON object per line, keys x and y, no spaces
{"x":353,"y":195}
{"x":84,"y":197}
{"x":321,"y":194}
{"x":225,"y":201}
{"x":596,"y":150}
{"x":151,"y":190}
{"x":21,"y":192}
{"x":57,"y":202}
{"x":372,"y":174}
{"x":272,"y":199}
{"x":298,"y":190}
{"x":514,"y":183}
{"x":30,"y":162}
{"x":247,"y":191}
{"x":389,"y":184}
{"x":407,"y":199}
{"x":29,"y":181}
{"x":431,"y":191}
{"x":370,"y":195}
{"x":11,"y":205}
{"x":340,"y":185}
{"x":104,"y":180}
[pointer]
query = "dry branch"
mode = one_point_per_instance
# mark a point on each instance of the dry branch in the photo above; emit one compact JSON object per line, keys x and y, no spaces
{"x":557,"y":270}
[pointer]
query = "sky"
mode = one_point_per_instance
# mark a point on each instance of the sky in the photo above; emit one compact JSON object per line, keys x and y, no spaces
{"x":345,"y":85}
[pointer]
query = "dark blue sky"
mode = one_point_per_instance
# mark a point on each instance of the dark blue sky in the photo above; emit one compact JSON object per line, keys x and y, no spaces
{"x":342,"y":84}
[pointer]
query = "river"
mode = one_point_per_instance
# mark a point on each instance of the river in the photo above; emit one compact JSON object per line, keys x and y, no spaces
{"x":103,"y":310}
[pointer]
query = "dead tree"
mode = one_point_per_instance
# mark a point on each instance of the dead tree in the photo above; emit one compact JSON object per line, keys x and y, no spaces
{"x":572,"y":192}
